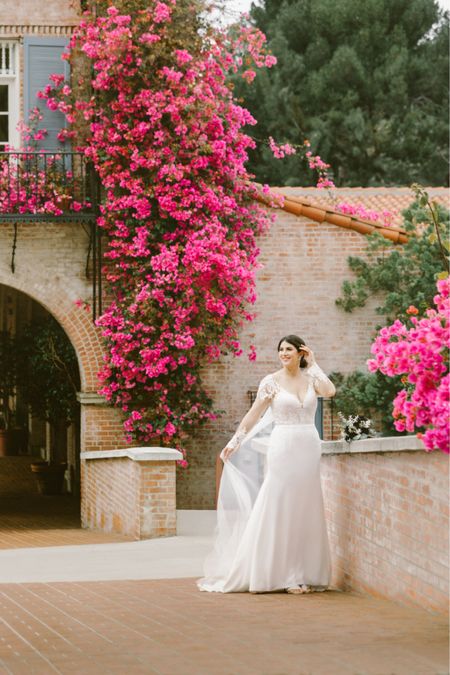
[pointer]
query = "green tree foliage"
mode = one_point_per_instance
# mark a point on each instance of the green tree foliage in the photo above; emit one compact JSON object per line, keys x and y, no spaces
{"x":366,"y":82}
{"x":369,"y":394}
{"x":48,"y":375}
{"x":401,"y":276}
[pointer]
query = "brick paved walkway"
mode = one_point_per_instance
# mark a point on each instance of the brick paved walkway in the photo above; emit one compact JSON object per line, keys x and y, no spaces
{"x":33,"y":520}
{"x":168,"y":627}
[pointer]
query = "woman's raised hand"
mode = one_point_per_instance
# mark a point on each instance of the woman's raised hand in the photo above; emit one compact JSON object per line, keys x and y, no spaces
{"x":309,"y":355}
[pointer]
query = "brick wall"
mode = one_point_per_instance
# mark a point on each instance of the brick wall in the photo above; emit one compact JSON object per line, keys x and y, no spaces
{"x":388,"y":522}
{"x":26,"y":12}
{"x":50,"y":268}
{"x":157,"y":501}
{"x":136,"y":498}
{"x":101,"y":428}
{"x":109,"y":501}
{"x":304,"y":265}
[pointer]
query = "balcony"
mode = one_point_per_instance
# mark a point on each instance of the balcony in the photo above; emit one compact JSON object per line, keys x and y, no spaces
{"x":53,"y":186}
{"x":43,"y":185}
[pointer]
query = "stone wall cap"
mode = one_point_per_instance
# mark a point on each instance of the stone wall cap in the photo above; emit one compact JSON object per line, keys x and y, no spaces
{"x":378,"y":444}
{"x":144,"y":454}
{"x":91,"y":398}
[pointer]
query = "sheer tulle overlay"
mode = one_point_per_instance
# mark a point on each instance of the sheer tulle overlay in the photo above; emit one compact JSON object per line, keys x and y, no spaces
{"x":271,"y":531}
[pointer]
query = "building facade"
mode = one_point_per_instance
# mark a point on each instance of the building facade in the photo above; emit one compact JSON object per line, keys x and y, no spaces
{"x":48,"y":264}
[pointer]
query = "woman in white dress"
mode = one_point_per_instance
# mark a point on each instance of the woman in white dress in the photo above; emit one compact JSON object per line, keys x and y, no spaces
{"x":273,"y":536}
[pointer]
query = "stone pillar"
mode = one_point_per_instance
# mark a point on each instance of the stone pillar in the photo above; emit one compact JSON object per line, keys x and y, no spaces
{"x":130,"y":491}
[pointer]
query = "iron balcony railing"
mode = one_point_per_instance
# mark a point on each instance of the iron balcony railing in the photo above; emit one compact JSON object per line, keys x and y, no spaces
{"x":53,"y":186}
{"x":43,"y":185}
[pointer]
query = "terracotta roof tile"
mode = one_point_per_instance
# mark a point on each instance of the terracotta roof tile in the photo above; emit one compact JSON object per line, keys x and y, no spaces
{"x":320,"y":206}
{"x":393,"y":199}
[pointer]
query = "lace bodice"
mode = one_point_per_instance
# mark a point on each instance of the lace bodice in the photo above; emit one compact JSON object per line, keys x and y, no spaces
{"x":286,"y":407}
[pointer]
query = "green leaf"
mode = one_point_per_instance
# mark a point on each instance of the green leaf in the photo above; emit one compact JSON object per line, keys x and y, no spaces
{"x":387,"y":121}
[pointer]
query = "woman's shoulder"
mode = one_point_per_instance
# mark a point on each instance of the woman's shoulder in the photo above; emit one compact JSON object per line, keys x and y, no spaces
{"x":268,"y":386}
{"x":270,"y":377}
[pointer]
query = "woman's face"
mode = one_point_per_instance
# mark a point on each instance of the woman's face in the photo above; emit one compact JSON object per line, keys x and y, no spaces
{"x":288,"y":354}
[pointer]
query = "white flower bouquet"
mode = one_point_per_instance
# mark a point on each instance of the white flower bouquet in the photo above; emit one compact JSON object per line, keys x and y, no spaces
{"x":355,"y":427}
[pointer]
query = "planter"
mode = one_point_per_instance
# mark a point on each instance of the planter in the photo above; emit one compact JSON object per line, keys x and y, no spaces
{"x":50,"y":477}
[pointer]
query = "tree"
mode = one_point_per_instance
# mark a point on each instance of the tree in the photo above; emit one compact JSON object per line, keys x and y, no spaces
{"x":403,"y":275}
{"x":405,"y":279}
{"x":48,"y":378}
{"x":366,"y":82}
{"x":370,"y":394}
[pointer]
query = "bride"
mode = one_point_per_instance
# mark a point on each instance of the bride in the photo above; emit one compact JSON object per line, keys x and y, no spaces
{"x":271,"y":530}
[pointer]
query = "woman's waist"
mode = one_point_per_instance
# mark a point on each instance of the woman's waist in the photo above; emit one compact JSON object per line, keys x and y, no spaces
{"x":281,"y":423}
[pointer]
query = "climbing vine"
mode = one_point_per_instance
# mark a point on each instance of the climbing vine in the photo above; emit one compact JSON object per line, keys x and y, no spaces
{"x":179,"y":215}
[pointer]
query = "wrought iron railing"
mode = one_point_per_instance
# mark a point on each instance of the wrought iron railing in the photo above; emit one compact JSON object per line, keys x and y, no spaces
{"x":53,"y":186}
{"x":38,"y":185}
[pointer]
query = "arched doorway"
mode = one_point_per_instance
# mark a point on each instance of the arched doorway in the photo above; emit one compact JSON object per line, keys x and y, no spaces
{"x":39,"y":382}
{"x":39,"y":413}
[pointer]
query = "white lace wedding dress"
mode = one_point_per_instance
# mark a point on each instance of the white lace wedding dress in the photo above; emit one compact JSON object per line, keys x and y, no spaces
{"x":273,"y":535}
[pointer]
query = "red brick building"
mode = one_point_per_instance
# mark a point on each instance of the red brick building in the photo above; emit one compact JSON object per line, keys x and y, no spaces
{"x":45,"y":266}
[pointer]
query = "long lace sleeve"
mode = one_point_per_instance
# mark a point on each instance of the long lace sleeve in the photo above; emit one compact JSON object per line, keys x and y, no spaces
{"x":322,"y":383}
{"x":266,"y":391}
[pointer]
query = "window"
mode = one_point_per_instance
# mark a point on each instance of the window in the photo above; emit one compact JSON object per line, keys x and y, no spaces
{"x":4,"y":114}
{"x":42,"y":57}
{"x":9,"y":107}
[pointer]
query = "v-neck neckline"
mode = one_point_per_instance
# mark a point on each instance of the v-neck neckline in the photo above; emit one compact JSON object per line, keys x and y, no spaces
{"x":290,"y":392}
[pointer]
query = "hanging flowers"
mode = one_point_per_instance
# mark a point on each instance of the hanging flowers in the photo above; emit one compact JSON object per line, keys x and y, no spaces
{"x":179,"y":214}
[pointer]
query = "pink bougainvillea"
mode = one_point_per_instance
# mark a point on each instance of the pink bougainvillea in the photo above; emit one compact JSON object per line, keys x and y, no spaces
{"x":36,"y":184}
{"x":420,"y":354}
{"x":360,"y":211}
{"x":281,"y":151}
{"x":179,"y":216}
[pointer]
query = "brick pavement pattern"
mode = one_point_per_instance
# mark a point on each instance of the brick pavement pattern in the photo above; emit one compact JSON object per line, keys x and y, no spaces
{"x":34,"y":521}
{"x":168,"y":627}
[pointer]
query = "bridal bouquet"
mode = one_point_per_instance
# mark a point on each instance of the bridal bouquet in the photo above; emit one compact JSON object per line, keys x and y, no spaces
{"x":355,"y":427}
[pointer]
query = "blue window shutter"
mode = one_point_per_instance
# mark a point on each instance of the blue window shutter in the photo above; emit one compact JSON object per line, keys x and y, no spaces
{"x":42,"y":58}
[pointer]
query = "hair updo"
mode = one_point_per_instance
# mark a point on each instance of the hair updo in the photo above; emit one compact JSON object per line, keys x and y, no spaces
{"x":296,"y":342}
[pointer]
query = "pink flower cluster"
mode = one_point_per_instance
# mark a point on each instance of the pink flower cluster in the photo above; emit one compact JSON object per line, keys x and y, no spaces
{"x":33,"y":190}
{"x":280,"y":151}
{"x":30,"y":185}
{"x":179,"y":216}
{"x":386,"y":217}
{"x":324,"y":181}
{"x":316,"y":163}
{"x":420,"y":354}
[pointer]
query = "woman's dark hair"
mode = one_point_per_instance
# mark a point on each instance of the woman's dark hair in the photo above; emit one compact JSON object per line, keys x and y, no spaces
{"x":296,"y":342}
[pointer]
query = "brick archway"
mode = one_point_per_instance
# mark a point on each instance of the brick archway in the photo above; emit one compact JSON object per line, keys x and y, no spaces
{"x":101,"y":425}
{"x":76,"y":322}
{"x":122,"y":490}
